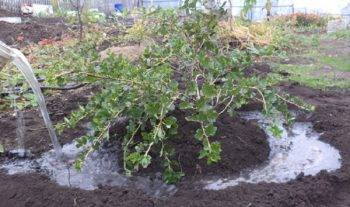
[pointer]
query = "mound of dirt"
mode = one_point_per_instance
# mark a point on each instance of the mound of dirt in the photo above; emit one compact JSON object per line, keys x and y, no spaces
{"x":32,"y":31}
{"x":243,"y":144}
{"x":132,"y":52}
{"x":258,"y":69}
{"x":5,"y":13}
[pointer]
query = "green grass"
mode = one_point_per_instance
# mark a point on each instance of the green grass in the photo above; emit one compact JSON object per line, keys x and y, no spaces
{"x":305,"y":75}
{"x":313,"y":48}
{"x":343,"y":34}
{"x":338,"y":63}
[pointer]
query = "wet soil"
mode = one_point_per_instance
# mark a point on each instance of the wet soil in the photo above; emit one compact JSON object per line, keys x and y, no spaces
{"x":332,"y":118}
{"x":37,"y":140}
{"x":244,"y":145}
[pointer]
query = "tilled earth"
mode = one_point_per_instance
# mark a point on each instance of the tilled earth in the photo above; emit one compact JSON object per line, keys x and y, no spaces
{"x":244,"y":147}
{"x":332,"y":118}
{"x":31,"y":30}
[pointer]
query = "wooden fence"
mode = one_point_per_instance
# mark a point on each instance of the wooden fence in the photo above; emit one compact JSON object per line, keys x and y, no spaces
{"x":102,"y":5}
{"x":107,"y":6}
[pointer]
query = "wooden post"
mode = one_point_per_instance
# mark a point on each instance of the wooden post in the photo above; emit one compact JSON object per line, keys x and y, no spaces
{"x":55,"y":6}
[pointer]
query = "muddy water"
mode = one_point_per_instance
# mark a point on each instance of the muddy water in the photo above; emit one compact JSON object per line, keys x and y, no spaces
{"x":100,"y":169}
{"x":299,"y":150}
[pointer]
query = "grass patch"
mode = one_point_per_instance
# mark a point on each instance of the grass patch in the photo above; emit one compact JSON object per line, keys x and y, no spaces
{"x":343,"y":34}
{"x":338,"y":63}
{"x":305,"y":75}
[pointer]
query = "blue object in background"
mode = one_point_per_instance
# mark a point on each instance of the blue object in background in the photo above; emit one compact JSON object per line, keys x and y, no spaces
{"x":119,"y":7}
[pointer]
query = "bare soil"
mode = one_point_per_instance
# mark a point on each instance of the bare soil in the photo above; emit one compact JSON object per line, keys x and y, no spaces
{"x":332,"y":118}
{"x":5,"y":13}
{"x":31,"y":30}
{"x":244,"y":146}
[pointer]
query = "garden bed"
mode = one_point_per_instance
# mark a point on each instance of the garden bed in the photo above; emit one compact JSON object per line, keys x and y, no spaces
{"x":31,"y":30}
{"x":331,"y":117}
{"x":244,"y":144}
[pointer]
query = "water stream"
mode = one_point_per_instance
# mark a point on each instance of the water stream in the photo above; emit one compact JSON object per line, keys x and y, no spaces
{"x":299,"y":150}
{"x":21,"y":62}
{"x":100,"y":169}
{"x":20,"y":129}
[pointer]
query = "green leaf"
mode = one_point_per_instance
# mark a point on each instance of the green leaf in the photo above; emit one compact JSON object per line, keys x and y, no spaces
{"x":172,"y":177}
{"x":275,"y":130}
{"x":209,"y":91}
{"x":153,"y":109}
{"x":199,"y":134}
{"x":2,"y":149}
{"x":134,"y":157}
{"x":170,"y":122}
{"x":212,"y":115}
{"x":214,"y":155}
{"x":185,"y":105}
{"x":210,"y":130}
{"x":78,"y":164}
{"x":145,"y":161}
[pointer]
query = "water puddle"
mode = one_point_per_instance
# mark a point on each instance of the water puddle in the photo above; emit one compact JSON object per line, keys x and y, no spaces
{"x":12,"y":20}
{"x":298,"y":151}
{"x":100,"y":169}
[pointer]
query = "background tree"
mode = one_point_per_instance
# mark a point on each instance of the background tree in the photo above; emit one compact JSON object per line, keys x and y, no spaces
{"x":78,"y":6}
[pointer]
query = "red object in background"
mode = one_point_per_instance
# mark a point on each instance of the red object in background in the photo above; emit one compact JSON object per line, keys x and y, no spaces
{"x":46,"y":42}
{"x":20,"y":38}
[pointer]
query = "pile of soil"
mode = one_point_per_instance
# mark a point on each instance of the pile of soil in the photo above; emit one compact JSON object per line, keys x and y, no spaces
{"x":258,"y":69}
{"x":243,"y":143}
{"x":31,"y":30}
{"x":5,"y":13}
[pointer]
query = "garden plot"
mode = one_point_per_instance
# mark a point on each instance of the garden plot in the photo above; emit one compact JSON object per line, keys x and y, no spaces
{"x":175,"y":116}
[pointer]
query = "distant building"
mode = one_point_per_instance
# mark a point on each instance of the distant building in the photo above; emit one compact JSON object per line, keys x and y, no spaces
{"x":346,"y":10}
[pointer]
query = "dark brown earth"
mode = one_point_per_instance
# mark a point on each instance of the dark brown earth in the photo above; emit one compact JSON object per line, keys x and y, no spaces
{"x":31,"y":30}
{"x":5,"y":13}
{"x":37,"y":140}
{"x":258,"y":69}
{"x":244,"y":146}
{"x":243,"y":143}
{"x":332,"y":117}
